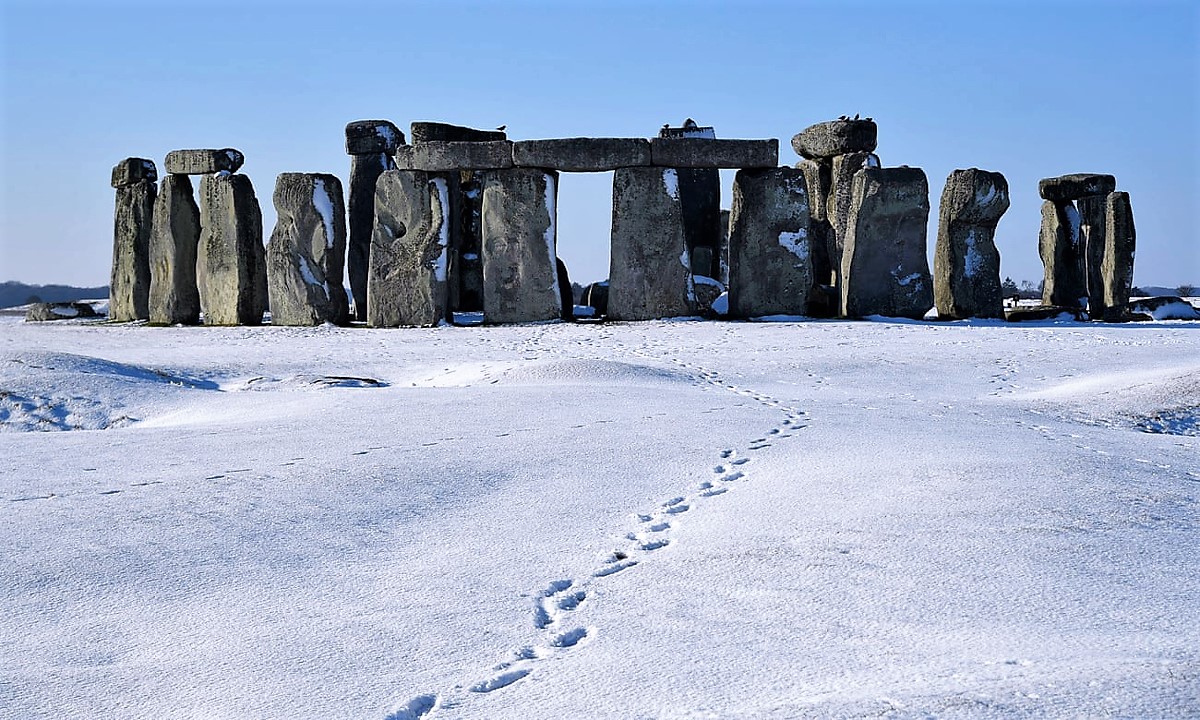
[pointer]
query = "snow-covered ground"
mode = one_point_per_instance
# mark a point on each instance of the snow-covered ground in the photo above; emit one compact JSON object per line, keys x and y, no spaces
{"x":651,"y":520}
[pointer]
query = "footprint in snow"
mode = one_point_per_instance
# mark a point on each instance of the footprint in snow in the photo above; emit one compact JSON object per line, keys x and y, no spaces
{"x":414,"y":709}
{"x":502,"y":680}
{"x":740,"y":461}
{"x":726,"y":454}
{"x":733,"y":476}
{"x":570,"y":638}
{"x":713,"y":492}
{"x":676,"y":509}
{"x":614,"y":568}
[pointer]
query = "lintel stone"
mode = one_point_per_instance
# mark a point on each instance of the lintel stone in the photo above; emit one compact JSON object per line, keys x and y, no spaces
{"x":132,"y":170}
{"x":1072,"y":187}
{"x":423,"y":132}
{"x":369,"y":137}
{"x":203,"y":162}
{"x":714,"y":153}
{"x":582,"y":154}
{"x":449,"y":156}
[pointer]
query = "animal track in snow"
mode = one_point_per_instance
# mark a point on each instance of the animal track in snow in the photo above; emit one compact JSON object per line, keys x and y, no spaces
{"x":502,"y":680}
{"x":414,"y":709}
{"x":614,"y":568}
{"x":570,"y":638}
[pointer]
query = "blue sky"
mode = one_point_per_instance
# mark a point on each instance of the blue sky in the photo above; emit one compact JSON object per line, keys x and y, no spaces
{"x":1025,"y":88}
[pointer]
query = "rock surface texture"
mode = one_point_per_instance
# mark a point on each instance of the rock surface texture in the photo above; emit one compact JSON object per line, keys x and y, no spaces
{"x":520,"y":276}
{"x":837,"y":205}
{"x":582,"y":154}
{"x":307,"y":250}
{"x":423,"y":132}
{"x":1065,"y":282}
{"x":364,"y":173}
{"x":203,"y":162}
{"x":712,"y":153}
{"x":836,"y":137}
{"x":650,"y":272}
{"x":770,"y":253}
{"x":1066,"y":188}
{"x":133,"y":170}
{"x":174,"y":242}
{"x":129,"y":291}
{"x":453,"y":156}
{"x":371,"y":137}
{"x":45,"y":312}
{"x":884,"y":266}
{"x":231,"y":264}
{"x":1092,"y":218}
{"x":1120,"y":240}
{"x":966,"y":263}
{"x":407,"y":283}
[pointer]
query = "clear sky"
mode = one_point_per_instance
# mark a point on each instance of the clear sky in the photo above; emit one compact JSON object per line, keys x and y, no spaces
{"x":1030,"y":89}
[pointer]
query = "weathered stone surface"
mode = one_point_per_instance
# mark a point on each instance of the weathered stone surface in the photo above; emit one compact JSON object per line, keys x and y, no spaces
{"x":564,"y":290}
{"x":582,"y":154}
{"x":449,"y":156}
{"x":595,"y":296}
{"x":520,"y":279}
{"x":703,"y":262}
{"x":174,"y":242}
{"x":1120,"y":240}
{"x":1163,"y":307}
{"x":836,"y":137}
{"x":467,"y":244}
{"x":966,"y":263}
{"x":1065,"y":188}
{"x":423,"y":132}
{"x":364,"y":172}
{"x":129,"y":292}
{"x":133,"y":170}
{"x":885,"y":270}
{"x":1091,"y":243}
{"x":409,"y":255}
{"x":818,"y":178}
{"x":307,"y":250}
{"x":723,"y":247}
{"x":1065,"y":282}
{"x":649,"y":272}
{"x":707,"y":291}
{"x":44,"y":312}
{"x":372,"y":137}
{"x":231,"y":266}
{"x":837,"y":204}
{"x":203,"y":162}
{"x":1043,"y":312}
{"x":692,"y":152}
{"x":770,"y":256}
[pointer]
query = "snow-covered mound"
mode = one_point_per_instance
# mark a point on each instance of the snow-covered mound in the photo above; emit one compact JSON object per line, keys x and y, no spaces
{"x":664,"y":519}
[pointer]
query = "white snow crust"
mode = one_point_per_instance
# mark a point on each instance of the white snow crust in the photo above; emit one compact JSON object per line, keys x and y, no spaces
{"x":324,"y":206}
{"x":671,"y":182}
{"x":684,"y":519}
{"x":795,"y":242}
{"x":443,"y":258}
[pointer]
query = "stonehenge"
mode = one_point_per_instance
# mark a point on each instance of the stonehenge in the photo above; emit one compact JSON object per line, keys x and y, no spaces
{"x":1088,"y":259}
{"x":306,"y":251}
{"x":133,"y":179}
{"x":466,"y":221}
{"x":966,"y":264}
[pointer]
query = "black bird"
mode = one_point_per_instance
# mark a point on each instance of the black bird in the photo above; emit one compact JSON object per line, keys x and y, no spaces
{"x":502,"y":127}
{"x":843,"y":117}
{"x":855,"y":116}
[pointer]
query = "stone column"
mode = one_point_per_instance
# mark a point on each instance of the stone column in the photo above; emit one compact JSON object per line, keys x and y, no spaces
{"x":884,"y":266}
{"x":520,"y":276}
{"x":371,"y":145}
{"x":1065,"y":282}
{"x":231,"y":261}
{"x":129,"y":294}
{"x":1092,"y":211}
{"x":174,"y":296}
{"x":770,"y":247}
{"x":966,"y":263}
{"x":307,"y":250}
{"x":700,"y":198}
{"x":407,"y":280}
{"x":650,"y":272}
{"x":1120,"y":240}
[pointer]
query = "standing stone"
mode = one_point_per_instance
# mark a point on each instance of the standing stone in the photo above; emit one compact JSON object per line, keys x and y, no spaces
{"x":1092,"y":212}
{"x":595,"y":296}
{"x":723,"y":250}
{"x":520,"y":277}
{"x":885,"y":270}
{"x":231,"y":265}
{"x":650,"y":273}
{"x":174,"y":297}
{"x":129,"y":293}
{"x":966,"y":263}
{"x":700,"y":195}
{"x":467,"y":245}
{"x":770,"y":254}
{"x":1065,"y":283}
{"x":407,"y":282}
{"x":1119,"y":244}
{"x":370,"y":144}
{"x":837,"y":209}
{"x":818,"y":178}
{"x":565,"y":291}
{"x":307,"y":250}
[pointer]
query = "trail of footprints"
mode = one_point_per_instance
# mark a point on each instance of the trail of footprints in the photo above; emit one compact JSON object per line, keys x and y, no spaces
{"x":554,"y":606}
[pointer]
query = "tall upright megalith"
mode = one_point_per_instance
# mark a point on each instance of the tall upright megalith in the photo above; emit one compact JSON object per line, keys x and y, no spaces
{"x":700,"y":199}
{"x":770,"y":249}
{"x":174,"y":295}
{"x":1120,"y":240}
{"x":650,"y":273}
{"x":129,"y":294}
{"x":370,"y":145}
{"x":884,"y":266}
{"x":1063,"y":257}
{"x":966,"y":263}
{"x":406,"y":285}
{"x":307,"y":250}
{"x":231,"y":259}
{"x":520,"y":276}
{"x":1073,"y":238}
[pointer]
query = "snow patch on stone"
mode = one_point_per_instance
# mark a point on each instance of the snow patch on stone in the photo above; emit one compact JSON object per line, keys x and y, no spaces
{"x":439,"y":265}
{"x":324,"y":205}
{"x":972,"y":261}
{"x":795,"y":242}
{"x":671,"y":182}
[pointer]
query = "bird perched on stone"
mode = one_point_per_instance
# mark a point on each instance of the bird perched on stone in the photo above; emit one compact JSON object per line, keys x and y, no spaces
{"x":855,"y":116}
{"x":502,"y":127}
{"x":843,"y":117}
